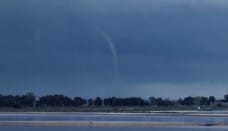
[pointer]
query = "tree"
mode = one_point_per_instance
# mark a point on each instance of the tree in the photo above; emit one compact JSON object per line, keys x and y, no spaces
{"x":10,"y":101}
{"x":78,"y":101}
{"x":204,"y":101}
{"x":98,"y":101}
{"x":188,"y":101}
{"x":152,"y":101}
{"x":90,"y":102}
{"x":108,"y":102}
{"x":180,"y":101}
{"x":17,"y":101}
{"x":28,"y":100}
{"x":55,"y":101}
{"x":226,"y":98}
{"x":164,"y":102}
{"x":159,"y":101}
{"x":212,"y":99}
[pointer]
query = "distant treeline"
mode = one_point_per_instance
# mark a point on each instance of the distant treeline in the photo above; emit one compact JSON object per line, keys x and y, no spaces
{"x":58,"y":100}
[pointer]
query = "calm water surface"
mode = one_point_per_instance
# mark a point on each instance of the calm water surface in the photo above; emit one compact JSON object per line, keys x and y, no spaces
{"x":108,"y":117}
{"x":56,"y":128}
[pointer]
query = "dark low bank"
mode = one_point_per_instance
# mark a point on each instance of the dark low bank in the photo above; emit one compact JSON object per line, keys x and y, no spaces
{"x":62,"y":103}
{"x":133,"y":109}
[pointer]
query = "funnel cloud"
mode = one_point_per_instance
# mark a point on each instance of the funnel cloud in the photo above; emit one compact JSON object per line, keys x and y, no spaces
{"x":112,"y":48}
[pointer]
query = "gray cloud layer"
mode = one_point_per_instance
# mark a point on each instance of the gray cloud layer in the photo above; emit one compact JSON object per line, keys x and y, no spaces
{"x":53,"y":46}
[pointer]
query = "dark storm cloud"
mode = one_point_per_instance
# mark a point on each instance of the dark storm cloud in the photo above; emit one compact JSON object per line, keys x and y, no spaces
{"x":46,"y":46}
{"x":46,"y":37}
{"x":178,"y":43}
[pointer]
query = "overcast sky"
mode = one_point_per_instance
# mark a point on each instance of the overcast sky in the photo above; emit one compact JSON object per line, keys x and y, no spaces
{"x":88,"y":48}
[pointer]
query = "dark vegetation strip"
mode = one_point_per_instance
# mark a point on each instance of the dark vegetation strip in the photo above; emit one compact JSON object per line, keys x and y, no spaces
{"x":50,"y":102}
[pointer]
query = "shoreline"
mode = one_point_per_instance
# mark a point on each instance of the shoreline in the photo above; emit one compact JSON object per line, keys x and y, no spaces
{"x":151,"y":113}
{"x":111,"y":123}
